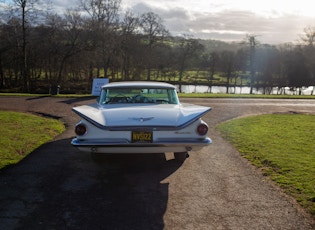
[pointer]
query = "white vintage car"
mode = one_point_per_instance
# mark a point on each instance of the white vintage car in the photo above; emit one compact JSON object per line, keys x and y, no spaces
{"x":140,"y":117}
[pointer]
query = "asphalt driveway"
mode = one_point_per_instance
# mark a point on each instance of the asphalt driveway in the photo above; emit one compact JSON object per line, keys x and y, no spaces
{"x":57,"y":187}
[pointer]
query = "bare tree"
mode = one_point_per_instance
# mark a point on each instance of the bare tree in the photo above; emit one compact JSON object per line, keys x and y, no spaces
{"x":227,"y":66}
{"x":28,"y":13}
{"x":24,"y":68}
{"x":309,"y":36}
{"x":187,"y":48}
{"x":240,"y":65}
{"x":129,"y":42}
{"x":153,"y":31}
{"x":72,"y":36}
{"x":308,"y":41}
{"x":213,"y":62}
{"x":103,"y":12}
{"x":253,"y":42}
{"x":103,"y":21}
{"x":298,"y":74}
{"x":268,"y":62}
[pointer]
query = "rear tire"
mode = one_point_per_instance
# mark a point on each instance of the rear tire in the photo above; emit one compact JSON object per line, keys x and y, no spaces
{"x":181,"y":156}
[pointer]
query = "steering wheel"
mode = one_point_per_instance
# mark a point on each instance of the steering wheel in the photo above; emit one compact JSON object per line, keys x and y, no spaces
{"x":138,"y":98}
{"x":120,"y":98}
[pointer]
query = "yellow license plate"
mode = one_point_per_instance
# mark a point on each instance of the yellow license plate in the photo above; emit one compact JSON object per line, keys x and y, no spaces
{"x":139,"y":136}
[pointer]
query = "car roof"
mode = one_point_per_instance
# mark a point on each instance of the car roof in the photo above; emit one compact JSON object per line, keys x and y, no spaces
{"x":139,"y":84}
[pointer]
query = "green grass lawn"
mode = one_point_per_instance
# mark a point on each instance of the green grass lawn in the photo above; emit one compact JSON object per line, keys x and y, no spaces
{"x":283,"y":146}
{"x":22,"y":133}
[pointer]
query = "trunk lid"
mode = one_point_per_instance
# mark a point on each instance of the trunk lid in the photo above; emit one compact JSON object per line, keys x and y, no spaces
{"x":141,"y":115}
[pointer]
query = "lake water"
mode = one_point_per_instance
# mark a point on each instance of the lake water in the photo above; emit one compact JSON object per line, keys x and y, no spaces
{"x":244,"y":90}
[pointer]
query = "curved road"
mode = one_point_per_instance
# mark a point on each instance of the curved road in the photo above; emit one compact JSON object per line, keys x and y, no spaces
{"x":57,"y":187}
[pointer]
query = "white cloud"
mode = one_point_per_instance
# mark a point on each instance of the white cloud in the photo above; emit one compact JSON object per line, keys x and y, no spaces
{"x":61,"y":5}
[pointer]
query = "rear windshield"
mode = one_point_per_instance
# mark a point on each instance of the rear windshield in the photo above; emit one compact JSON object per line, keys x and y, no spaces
{"x":138,"y":95}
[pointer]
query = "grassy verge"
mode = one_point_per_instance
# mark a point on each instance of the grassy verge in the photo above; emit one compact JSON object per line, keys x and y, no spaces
{"x":23,"y":133}
{"x":282,"y":145}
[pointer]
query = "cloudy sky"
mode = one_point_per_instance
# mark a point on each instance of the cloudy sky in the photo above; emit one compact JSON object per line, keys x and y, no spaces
{"x":274,"y":21}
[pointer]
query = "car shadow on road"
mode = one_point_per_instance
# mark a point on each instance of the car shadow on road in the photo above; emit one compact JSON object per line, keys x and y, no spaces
{"x":75,"y":190}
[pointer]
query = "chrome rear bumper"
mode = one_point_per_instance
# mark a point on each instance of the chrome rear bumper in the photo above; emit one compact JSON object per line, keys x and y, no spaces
{"x":127,"y":147}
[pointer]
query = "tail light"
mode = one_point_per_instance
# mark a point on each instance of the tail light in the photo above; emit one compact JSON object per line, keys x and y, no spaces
{"x":80,"y":129}
{"x":202,"y":129}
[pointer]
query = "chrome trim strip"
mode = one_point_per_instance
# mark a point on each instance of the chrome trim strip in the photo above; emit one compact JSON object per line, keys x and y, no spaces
{"x":188,"y":142}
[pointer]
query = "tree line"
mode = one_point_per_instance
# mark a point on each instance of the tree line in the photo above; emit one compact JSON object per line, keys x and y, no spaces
{"x":40,"y":48}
